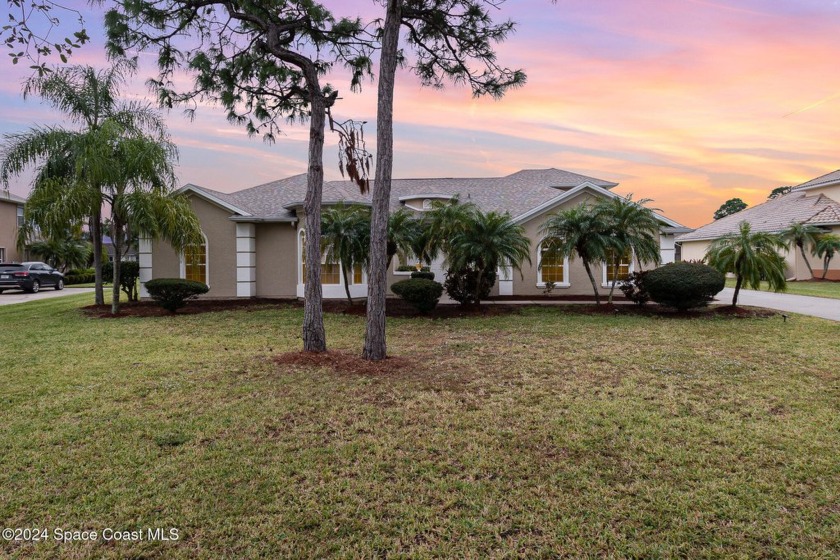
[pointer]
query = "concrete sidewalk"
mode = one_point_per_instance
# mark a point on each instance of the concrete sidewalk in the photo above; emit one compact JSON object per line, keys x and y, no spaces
{"x":15,"y":296}
{"x":825,"y":308}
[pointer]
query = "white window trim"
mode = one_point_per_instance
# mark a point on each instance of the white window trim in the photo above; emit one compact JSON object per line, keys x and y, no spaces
{"x":183,"y":262}
{"x":2,"y":254}
{"x":606,"y":283}
{"x":301,"y":252}
{"x":540,"y":283}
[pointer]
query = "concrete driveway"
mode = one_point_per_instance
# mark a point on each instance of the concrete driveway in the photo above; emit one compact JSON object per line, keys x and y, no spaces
{"x":825,"y":308}
{"x":16,"y":296}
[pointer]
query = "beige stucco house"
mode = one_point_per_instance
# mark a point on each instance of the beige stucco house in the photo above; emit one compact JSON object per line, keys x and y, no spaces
{"x":815,"y":202}
{"x":254,"y":237}
{"x":11,"y":217}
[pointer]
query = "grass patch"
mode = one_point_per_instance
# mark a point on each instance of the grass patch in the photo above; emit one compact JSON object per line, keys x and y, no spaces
{"x":543,"y":434}
{"x":803,"y":288}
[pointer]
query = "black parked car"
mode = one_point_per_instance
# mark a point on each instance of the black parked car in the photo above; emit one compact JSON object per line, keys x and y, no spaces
{"x":29,"y":276}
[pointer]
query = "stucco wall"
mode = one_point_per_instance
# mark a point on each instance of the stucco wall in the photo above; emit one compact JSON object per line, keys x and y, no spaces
{"x":8,"y":230}
{"x":221,"y":250}
{"x":276,"y":260}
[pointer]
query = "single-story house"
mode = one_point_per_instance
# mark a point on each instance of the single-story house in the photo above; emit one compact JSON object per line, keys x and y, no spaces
{"x":11,"y":218}
{"x":254,"y":237}
{"x":815,"y":202}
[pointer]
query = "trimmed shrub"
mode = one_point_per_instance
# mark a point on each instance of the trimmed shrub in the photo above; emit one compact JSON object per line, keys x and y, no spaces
{"x":421,"y":293}
{"x":79,"y":272}
{"x":423,"y":274}
{"x":461,"y":285}
{"x":173,"y":293}
{"x":129,"y":274}
{"x":107,"y":270}
{"x":79,"y":278}
{"x":634,"y":288}
{"x":684,"y":285}
{"x":411,"y":268}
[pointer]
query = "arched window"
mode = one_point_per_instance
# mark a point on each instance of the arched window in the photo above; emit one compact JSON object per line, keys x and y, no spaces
{"x":552,"y":266}
{"x":330,"y":272}
{"x":194,"y":262}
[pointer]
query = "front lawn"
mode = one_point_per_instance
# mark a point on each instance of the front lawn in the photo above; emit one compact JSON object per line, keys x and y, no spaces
{"x":803,"y":288}
{"x":540,"y":434}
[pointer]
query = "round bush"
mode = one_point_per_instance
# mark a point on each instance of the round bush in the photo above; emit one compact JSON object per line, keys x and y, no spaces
{"x":684,"y":285}
{"x":461,"y":285}
{"x":422,"y":294}
{"x":173,"y":293}
{"x":423,"y":274}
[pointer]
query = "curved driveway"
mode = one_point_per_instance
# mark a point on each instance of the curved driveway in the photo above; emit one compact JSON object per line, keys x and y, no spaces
{"x":825,"y":308}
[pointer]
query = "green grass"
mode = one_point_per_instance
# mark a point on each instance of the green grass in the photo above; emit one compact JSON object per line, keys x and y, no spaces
{"x":537,"y":435}
{"x":803,"y":288}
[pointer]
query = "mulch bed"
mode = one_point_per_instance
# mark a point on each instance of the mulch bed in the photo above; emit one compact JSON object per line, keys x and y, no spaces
{"x":344,"y":362}
{"x":399,"y":308}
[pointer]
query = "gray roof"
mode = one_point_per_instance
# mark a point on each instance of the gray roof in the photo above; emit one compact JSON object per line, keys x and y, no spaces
{"x":773,"y":216}
{"x":826,"y":179}
{"x":6,"y":196}
{"x":517,"y":193}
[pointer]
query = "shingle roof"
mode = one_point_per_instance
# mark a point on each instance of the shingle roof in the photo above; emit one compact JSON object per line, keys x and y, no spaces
{"x":516,"y":193}
{"x":6,"y":196}
{"x":772,"y":216}
{"x":828,"y":178}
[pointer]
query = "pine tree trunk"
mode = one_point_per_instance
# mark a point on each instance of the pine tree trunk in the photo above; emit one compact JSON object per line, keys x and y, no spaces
{"x":116,"y":240}
{"x":314,"y":336}
{"x":592,"y":280}
{"x":738,"y":283}
{"x":96,"y":238}
{"x":375,"y":342}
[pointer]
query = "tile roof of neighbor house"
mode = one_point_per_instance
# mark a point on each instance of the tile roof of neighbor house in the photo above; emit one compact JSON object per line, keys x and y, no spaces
{"x":516,"y":193}
{"x":773,"y":216}
{"x":9,"y":197}
{"x":826,"y":179}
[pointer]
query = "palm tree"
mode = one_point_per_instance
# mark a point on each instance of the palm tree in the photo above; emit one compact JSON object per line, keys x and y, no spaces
{"x":485,"y":243}
{"x":579,"y":231}
{"x":89,"y":99}
{"x":403,"y":231}
{"x":802,"y":234}
{"x":751,"y":257}
{"x":440,"y":225}
{"x":826,"y":247}
{"x":345,"y":238}
{"x":634,"y":231}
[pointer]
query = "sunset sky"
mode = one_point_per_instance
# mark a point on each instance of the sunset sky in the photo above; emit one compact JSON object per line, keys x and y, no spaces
{"x":688,"y":102}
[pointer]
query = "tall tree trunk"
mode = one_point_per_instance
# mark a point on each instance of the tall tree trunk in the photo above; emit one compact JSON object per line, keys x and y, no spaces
{"x":96,"y":238}
{"x":826,"y":261}
{"x":739,"y":280}
{"x":592,"y":280}
{"x":805,"y":258}
{"x":375,"y":343}
{"x":614,"y":280}
{"x":314,"y":336}
{"x":116,"y":240}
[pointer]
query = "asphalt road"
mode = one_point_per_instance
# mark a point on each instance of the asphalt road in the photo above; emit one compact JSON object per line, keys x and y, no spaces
{"x":17,"y":296}
{"x":825,"y":308}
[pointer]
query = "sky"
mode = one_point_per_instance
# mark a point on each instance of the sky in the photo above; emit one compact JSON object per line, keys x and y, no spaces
{"x":687,"y":102}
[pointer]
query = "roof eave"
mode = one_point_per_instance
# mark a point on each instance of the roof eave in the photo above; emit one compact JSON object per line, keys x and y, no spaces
{"x":190,"y":188}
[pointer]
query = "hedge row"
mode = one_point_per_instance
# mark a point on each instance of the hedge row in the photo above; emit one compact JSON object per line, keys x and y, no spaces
{"x":71,"y":279}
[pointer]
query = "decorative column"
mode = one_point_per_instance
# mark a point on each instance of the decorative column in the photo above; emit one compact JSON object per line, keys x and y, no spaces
{"x":246,"y":260}
{"x":144,"y":260}
{"x":505,"y":276}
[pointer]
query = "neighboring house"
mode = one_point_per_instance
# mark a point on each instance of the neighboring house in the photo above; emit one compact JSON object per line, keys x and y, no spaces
{"x":816,"y":202}
{"x":254,"y":237}
{"x":128,"y":255}
{"x":11,"y":217}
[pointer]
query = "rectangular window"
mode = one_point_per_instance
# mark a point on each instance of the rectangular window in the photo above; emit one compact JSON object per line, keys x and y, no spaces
{"x":195,"y":263}
{"x":358,"y":277}
{"x":405,"y":262}
{"x":20,"y":216}
{"x":2,"y":254}
{"x":552,"y":265}
{"x":623,"y":267}
{"x":330,"y":272}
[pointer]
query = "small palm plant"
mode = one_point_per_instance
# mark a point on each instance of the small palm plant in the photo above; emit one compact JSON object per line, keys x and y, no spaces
{"x":581,"y":232}
{"x":801,"y":235}
{"x":345,"y":238}
{"x":485,"y":243}
{"x":751,"y":257}
{"x":634,"y":231}
{"x":826,"y":247}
